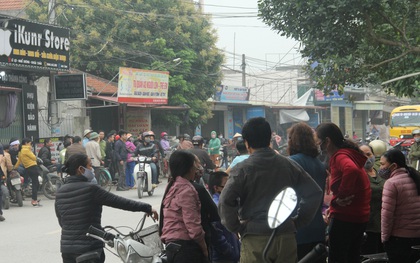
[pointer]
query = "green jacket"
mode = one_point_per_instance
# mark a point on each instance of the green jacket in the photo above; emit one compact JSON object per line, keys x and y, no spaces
{"x":377,"y":185}
{"x":102,"y":146}
{"x":414,"y":154}
{"x":214,"y":146}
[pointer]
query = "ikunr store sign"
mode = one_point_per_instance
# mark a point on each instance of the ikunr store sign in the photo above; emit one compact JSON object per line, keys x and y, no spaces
{"x":33,"y":45}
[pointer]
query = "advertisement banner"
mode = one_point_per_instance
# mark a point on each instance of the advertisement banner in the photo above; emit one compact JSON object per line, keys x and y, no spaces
{"x":254,"y":112}
{"x":138,"y":121}
{"x":230,"y":124}
{"x":232,"y":94}
{"x":143,"y":86}
{"x":33,"y":45}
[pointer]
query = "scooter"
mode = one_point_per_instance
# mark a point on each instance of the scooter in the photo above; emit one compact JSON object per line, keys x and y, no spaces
{"x":14,"y":185}
{"x":143,"y":173}
{"x":49,"y":182}
{"x":142,"y":245}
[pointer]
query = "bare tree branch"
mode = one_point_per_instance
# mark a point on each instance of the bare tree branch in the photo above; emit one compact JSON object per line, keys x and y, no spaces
{"x":391,"y":59}
{"x":397,"y":29}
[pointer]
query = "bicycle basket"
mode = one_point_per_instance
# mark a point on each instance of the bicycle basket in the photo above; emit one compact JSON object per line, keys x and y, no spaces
{"x":149,"y":236}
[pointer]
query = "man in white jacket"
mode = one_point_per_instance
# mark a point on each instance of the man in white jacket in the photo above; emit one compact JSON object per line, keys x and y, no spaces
{"x":93,"y":151}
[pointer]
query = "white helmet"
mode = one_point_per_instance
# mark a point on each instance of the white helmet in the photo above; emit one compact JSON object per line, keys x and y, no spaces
{"x":416,"y":131}
{"x":378,"y":146}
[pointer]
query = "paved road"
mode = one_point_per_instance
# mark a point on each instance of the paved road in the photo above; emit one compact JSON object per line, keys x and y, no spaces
{"x":32,"y":234}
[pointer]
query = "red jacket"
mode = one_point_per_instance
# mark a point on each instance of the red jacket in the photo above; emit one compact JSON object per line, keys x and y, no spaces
{"x":400,"y":213}
{"x":348,"y":177}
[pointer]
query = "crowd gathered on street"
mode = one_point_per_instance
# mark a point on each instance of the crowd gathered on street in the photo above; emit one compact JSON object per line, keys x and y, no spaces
{"x":356,"y":199}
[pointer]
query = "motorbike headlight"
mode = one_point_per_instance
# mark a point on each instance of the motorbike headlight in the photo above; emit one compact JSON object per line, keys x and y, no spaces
{"x":121,"y":250}
{"x":133,"y":257}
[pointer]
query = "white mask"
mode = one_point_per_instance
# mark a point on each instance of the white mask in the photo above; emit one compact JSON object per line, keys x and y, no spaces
{"x":89,"y":174}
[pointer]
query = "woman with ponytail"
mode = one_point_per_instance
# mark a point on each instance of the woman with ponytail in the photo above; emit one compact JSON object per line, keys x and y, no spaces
{"x":400,"y":215}
{"x":180,"y":218}
{"x":349,"y":209}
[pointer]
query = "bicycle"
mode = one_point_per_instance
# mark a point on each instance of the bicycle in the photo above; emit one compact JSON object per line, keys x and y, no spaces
{"x":104,"y":178}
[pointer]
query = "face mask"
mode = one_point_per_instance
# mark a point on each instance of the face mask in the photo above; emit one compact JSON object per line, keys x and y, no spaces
{"x":417,"y":139}
{"x":89,"y":174}
{"x":147,"y":140}
{"x":385,"y":173}
{"x":165,"y":137}
{"x":369,"y":163}
{"x":220,"y":137}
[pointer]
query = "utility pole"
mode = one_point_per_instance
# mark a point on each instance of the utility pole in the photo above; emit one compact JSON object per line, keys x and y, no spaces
{"x":53,"y":105}
{"x":243,"y":66}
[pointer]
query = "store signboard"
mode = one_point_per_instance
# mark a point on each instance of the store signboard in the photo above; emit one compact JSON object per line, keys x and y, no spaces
{"x":233,"y":94}
{"x":30,"y":111}
{"x":26,"y":44}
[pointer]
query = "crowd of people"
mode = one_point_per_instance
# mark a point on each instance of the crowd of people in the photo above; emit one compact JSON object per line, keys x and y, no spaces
{"x":357,"y":199}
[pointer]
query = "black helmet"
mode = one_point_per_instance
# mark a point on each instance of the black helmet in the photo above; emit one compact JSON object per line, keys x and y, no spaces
{"x":197,"y":140}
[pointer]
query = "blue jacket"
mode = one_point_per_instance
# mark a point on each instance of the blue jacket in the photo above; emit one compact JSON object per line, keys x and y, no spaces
{"x":315,"y":231}
{"x":225,"y":245}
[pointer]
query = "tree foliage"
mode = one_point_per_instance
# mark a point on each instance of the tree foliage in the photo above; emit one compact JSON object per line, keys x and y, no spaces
{"x":147,"y":34}
{"x":353,"y":41}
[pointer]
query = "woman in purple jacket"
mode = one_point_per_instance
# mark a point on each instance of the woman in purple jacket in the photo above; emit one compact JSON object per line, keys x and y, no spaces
{"x":180,"y":222}
{"x":400,"y":215}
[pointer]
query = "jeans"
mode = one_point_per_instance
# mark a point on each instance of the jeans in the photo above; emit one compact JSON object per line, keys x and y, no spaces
{"x":129,"y":170}
{"x":121,"y":174}
{"x":399,"y":249}
{"x":345,"y":241}
{"x":33,"y":173}
{"x":1,"y":200}
{"x":155,"y":179}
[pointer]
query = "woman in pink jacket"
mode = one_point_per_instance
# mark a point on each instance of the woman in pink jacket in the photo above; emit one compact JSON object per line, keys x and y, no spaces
{"x":180,"y":220}
{"x":400,"y":215}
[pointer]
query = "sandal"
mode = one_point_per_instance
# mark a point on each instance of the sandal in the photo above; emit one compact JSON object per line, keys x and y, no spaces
{"x":36,"y":203}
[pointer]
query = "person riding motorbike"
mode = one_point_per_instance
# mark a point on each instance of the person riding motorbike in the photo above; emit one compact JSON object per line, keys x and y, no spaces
{"x":202,"y":155}
{"x":45,"y":153}
{"x":414,"y":153}
{"x":148,"y":148}
{"x":164,"y":143}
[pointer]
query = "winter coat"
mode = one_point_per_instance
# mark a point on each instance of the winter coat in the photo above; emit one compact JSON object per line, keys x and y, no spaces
{"x":400,"y":212}
{"x":315,"y":231}
{"x":120,"y":151}
{"x":93,"y":151}
{"x":181,"y":213}
{"x":45,"y":155}
{"x":414,"y":154}
{"x":348,"y":177}
{"x":26,"y":157}
{"x":73,"y":149}
{"x":225,"y":245}
{"x":78,"y":205}
{"x":377,"y":185}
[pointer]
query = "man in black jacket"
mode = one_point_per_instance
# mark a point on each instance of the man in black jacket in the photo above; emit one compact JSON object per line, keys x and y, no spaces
{"x":120,"y":151}
{"x":203,"y":156}
{"x":45,"y":153}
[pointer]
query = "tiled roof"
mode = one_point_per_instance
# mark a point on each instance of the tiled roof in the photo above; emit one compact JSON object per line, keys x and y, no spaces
{"x":12,"y":4}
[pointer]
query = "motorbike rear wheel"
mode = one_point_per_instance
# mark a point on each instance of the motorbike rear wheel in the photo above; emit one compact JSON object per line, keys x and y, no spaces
{"x":50,"y":187}
{"x":6,"y":202}
{"x":19,"y":198}
{"x":105,"y":180}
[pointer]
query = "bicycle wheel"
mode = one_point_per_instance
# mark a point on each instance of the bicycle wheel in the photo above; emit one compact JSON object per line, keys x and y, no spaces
{"x":105,"y":180}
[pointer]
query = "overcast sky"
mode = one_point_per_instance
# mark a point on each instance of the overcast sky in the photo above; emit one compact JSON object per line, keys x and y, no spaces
{"x":248,"y":35}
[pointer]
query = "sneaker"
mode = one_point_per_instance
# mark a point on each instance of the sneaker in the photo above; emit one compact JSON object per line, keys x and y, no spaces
{"x":154,"y":185}
{"x":2,"y":218}
{"x":122,"y":189}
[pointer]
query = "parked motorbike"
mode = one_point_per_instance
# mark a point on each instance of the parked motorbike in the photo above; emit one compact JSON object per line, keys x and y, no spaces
{"x":49,"y":182}
{"x":143,"y":173}
{"x":6,"y":196}
{"x":14,"y":185}
{"x":140,"y":245}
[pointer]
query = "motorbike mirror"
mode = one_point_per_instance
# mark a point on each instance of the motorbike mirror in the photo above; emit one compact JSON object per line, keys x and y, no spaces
{"x":281,"y":207}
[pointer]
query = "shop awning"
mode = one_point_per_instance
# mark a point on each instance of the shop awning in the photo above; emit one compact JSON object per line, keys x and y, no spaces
{"x":2,"y":88}
{"x":137,"y":105}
